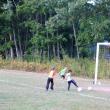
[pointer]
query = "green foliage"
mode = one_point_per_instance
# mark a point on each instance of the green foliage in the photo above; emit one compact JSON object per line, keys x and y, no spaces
{"x":47,"y":27}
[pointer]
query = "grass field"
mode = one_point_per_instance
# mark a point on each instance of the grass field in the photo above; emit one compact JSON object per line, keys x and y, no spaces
{"x":26,"y":91}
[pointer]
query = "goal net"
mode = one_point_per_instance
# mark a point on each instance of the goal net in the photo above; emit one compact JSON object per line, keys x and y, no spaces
{"x":102,"y":66}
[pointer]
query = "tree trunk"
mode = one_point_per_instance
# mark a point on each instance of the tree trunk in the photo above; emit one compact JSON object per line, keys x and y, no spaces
{"x":58,"y":47}
{"x":6,"y":51}
{"x":18,"y":35}
{"x":11,"y":49}
{"x":54,"y":52}
{"x":53,"y":46}
{"x":48,"y":47}
{"x":71,"y":52}
{"x":41,"y":55}
{"x":20,"y":46}
{"x":58,"y":50}
{"x":15,"y":43}
{"x":76,"y":43}
{"x":6,"y":54}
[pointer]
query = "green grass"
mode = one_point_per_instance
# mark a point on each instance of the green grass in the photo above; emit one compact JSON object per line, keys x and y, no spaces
{"x":26,"y":91}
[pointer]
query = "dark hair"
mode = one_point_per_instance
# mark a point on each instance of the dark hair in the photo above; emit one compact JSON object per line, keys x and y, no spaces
{"x":53,"y":67}
{"x":69,"y":70}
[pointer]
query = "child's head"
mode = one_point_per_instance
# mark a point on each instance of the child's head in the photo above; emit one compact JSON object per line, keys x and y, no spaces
{"x":69,"y":71}
{"x":53,"y":67}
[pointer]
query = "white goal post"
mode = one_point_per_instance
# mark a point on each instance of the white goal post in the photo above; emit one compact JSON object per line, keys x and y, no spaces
{"x":97,"y":59}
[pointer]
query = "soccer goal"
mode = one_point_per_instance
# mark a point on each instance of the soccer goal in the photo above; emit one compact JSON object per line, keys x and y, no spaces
{"x":102,"y":66}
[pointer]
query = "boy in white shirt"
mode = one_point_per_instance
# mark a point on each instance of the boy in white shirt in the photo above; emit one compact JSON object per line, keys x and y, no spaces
{"x":70,"y":80}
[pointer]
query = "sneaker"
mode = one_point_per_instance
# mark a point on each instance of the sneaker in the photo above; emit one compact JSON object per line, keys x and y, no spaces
{"x":79,"y":89}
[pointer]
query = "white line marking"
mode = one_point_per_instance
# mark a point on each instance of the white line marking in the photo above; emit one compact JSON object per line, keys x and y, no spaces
{"x":94,"y":97}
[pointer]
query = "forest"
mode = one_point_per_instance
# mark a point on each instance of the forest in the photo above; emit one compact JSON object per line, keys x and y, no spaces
{"x":50,"y":29}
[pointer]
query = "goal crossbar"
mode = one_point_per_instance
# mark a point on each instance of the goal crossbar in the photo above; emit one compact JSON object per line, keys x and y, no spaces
{"x":97,"y":58}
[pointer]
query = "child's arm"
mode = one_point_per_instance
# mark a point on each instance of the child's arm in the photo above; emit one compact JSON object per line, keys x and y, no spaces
{"x":55,"y":72}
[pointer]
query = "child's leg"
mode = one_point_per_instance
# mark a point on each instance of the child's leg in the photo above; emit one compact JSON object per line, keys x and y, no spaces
{"x":74,"y":83}
{"x":52,"y":83}
{"x":47,"y":85}
{"x":69,"y":83}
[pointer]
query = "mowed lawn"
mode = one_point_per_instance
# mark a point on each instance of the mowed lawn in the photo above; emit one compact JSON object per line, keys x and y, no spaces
{"x":26,"y":91}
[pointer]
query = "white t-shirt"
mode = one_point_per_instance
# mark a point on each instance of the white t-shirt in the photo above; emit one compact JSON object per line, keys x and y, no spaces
{"x":68,"y":77}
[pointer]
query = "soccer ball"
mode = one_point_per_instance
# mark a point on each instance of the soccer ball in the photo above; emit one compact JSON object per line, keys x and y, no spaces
{"x":79,"y":89}
{"x":89,"y":88}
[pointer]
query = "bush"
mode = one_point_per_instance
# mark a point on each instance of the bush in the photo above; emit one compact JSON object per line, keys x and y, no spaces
{"x":82,"y":67}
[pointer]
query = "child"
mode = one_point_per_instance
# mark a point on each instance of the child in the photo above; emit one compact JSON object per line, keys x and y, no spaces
{"x":63,"y":72}
{"x":50,"y":79}
{"x":70,"y":80}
